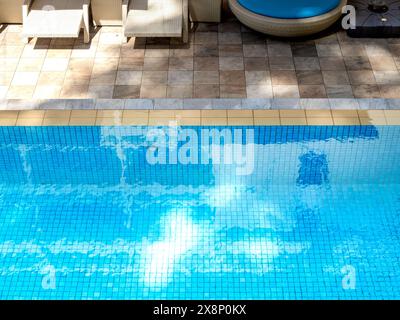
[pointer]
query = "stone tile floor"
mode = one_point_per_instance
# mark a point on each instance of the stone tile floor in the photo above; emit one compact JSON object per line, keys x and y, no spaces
{"x":223,"y":60}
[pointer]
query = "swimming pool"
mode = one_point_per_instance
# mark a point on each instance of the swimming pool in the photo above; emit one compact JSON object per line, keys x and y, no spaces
{"x":285,"y":212}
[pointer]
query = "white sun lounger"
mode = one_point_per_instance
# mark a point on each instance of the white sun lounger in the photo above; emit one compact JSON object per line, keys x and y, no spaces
{"x":156,"y":18}
{"x":55,"y":18}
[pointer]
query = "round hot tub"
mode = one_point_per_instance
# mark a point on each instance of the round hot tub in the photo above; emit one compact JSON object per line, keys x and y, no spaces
{"x":287,"y":18}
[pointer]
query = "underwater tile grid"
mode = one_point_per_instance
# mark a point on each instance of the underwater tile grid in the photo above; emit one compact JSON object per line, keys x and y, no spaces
{"x":85,"y":215}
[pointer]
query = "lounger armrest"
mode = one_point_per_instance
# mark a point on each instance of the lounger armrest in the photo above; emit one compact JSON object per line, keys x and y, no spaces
{"x":25,"y":9}
{"x":125,"y":9}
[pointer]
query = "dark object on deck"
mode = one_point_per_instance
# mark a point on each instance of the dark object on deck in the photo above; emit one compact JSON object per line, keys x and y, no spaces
{"x":376,"y":18}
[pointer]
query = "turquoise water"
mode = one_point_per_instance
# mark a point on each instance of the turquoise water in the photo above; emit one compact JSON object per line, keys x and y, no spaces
{"x":84,"y":214}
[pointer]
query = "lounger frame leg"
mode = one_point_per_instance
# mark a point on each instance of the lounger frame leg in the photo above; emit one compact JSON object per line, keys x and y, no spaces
{"x":86,"y":23}
{"x":185,"y":22}
{"x":25,"y":11}
{"x":125,"y":6}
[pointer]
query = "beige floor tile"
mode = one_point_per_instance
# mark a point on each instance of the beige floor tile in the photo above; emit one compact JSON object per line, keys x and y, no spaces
{"x":145,"y":113}
{"x":390,"y":114}
{"x":258,"y":78}
{"x":162,"y":113}
{"x":108,"y":51}
{"x":31,"y":51}
{"x":135,"y":121}
{"x":214,"y":113}
{"x":344,"y":113}
{"x":382,"y":63}
{"x":55,"y":121}
{"x":240,"y":121}
{"x":47,"y":92}
{"x":110,"y":113}
{"x":373,"y":121}
{"x":83,"y":113}
{"x":57,"y":114}
{"x":181,"y":63}
{"x":7,"y":122}
{"x":240,"y":113}
{"x":25,"y":78}
{"x":82,"y":121}
{"x":84,"y":51}
{"x":319,"y":121}
{"x":55,"y":64}
{"x":293,"y":121}
{"x":254,"y":50}
{"x":259,"y":91}
{"x":231,"y":63}
{"x":188,"y":113}
{"x":206,"y":91}
{"x":76,"y":79}
{"x":163,"y":121}
{"x":8,"y":64}
{"x":292,"y":113}
{"x":12,"y":115}
{"x":156,"y":64}
{"x":206,"y":77}
{"x":233,"y":91}
{"x":103,"y":78}
{"x":108,"y":121}
{"x":180,"y":77}
{"x":157,"y":52}
{"x":206,"y":63}
{"x":81,"y":65}
{"x":233,"y":78}
{"x":7,"y":51}
{"x":3,"y":91}
{"x":286,"y":91}
{"x":266,"y":113}
{"x":101,"y":91}
{"x":348,"y":121}
{"x":51,"y":78}
{"x":393,"y":121}
{"x":189,"y":121}
{"x":31,"y":114}
{"x":30,"y":65}
{"x":153,"y":92}
{"x":214,"y":121}
{"x":58,"y":53}
{"x":126,"y":92}
{"x":180,"y":92}
{"x":20,"y":92}
{"x":155,"y":78}
{"x":102,"y":65}
{"x":318,"y":113}
{"x":74,"y":92}
{"x":29,"y":122}
{"x":132,"y":78}
{"x":371,"y":113}
{"x":131,"y":63}
{"x":6,"y":78}
{"x":265,"y":121}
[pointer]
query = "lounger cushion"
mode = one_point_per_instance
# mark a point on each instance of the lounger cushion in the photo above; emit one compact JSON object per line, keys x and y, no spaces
{"x":289,"y":9}
{"x":154,"y":18}
{"x":54,"y":18}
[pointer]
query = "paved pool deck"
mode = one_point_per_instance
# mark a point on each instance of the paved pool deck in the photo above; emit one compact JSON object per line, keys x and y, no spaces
{"x":223,"y":60}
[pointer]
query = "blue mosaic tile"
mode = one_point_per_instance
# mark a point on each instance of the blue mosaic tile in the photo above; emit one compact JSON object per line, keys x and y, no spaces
{"x":84,"y":214}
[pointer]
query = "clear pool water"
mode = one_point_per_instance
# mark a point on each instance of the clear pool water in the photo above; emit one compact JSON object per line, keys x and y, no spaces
{"x":84,"y":214}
